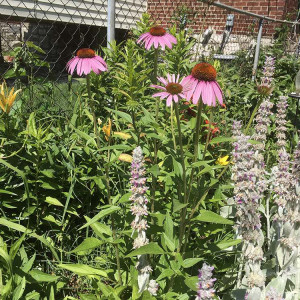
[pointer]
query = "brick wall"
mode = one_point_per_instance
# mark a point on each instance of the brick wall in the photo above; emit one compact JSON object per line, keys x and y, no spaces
{"x":202,"y":16}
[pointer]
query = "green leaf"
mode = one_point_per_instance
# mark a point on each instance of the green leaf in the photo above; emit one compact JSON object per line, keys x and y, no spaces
{"x":170,"y":244}
{"x":226,"y":244}
{"x":154,"y":170}
{"x":121,"y":114}
{"x":221,"y":139}
{"x":82,"y":270}
{"x":165,"y":273}
{"x":211,"y":217}
{"x":151,"y":248}
{"x":40,"y":276}
{"x":18,"y":292}
{"x":189,"y":262}
{"x":101,"y":214}
{"x":88,"y":244}
{"x":53,"y":201}
{"x":192,"y":282}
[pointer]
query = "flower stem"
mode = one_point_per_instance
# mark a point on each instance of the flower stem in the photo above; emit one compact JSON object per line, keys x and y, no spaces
{"x":183,"y":212}
{"x":208,"y":133}
{"x":112,"y":218}
{"x":91,"y":103}
{"x":172,"y":127}
{"x":154,"y":180}
{"x":196,"y":143}
{"x":253,"y":115}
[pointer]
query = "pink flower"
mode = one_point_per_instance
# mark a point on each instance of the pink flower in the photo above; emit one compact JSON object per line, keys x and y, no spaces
{"x":173,"y":90}
{"x":203,"y":84}
{"x":86,"y":61}
{"x":156,"y":36}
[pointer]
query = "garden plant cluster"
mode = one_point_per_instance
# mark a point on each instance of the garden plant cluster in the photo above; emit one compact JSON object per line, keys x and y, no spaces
{"x":150,"y":174}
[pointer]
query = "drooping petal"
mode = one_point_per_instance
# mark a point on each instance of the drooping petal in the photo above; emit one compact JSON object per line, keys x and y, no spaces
{"x":162,"y":80}
{"x":79,"y":67}
{"x":171,"y":38}
{"x":155,"y":41}
{"x":86,"y":65}
{"x":149,"y":43}
{"x":71,"y":65}
{"x":175,"y":98}
{"x":169,"y":100}
{"x":101,"y":60}
{"x":218,"y":92}
{"x":162,"y":95}
{"x":197,"y":92}
{"x":158,"y":87}
{"x":208,"y":94}
{"x":167,"y":42}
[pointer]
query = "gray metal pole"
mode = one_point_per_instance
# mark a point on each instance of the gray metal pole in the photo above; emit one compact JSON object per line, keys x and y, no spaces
{"x":111,"y":7}
{"x":257,"y":49}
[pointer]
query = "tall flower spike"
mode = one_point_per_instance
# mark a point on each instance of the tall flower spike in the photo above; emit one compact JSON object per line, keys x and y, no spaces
{"x":265,"y":88}
{"x":206,"y":283}
{"x":281,"y":121}
{"x":203,"y":84}
{"x":157,"y":36}
{"x":139,"y":210}
{"x":246,"y":196}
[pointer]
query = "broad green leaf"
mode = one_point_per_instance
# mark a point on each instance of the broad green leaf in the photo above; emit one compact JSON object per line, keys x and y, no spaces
{"x":53,"y":201}
{"x":189,"y":262}
{"x":82,"y":270}
{"x":18,"y":292}
{"x":101,"y":214}
{"x":88,"y":244}
{"x":165,"y":273}
{"x":40,"y":276}
{"x":211,"y":217}
{"x":192,"y":282}
{"x":151,"y":248}
{"x":121,"y":114}
{"x":226,"y":244}
{"x":170,"y":244}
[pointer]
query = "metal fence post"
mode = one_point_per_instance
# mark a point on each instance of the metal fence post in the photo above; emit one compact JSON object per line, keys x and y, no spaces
{"x":111,"y":6}
{"x":257,"y":49}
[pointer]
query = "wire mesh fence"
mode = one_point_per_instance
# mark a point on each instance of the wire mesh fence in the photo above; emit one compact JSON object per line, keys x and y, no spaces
{"x":60,"y":27}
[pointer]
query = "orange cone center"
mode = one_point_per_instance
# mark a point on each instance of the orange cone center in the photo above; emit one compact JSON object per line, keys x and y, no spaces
{"x":204,"y":71}
{"x":86,"y":53}
{"x":157,"y":31}
{"x":174,"y":88}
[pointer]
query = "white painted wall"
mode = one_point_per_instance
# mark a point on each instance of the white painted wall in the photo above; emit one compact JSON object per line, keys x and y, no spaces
{"x":89,"y":12}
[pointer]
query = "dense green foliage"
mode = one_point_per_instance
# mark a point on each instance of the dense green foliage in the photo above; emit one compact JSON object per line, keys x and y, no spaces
{"x":65,"y":208}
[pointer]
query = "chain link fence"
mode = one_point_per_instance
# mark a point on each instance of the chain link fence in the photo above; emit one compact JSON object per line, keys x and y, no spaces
{"x":60,"y":27}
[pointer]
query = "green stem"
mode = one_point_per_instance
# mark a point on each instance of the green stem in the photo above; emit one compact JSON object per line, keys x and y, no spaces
{"x":208,"y":133}
{"x":112,"y":218}
{"x":154,"y":180}
{"x":91,"y":103}
{"x":196,"y":143}
{"x":183,"y":213}
{"x":253,"y":115}
{"x":172,"y":127}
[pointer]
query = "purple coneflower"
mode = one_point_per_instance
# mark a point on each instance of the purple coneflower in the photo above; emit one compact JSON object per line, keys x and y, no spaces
{"x":204,"y":84}
{"x":157,"y":36}
{"x":86,"y":61}
{"x":173,"y":90}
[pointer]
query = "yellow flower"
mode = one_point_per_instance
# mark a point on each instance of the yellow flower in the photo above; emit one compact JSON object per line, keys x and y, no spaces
{"x":107,"y":130}
{"x":122,"y":135}
{"x":125,"y":157}
{"x":7,"y":97}
{"x":223,"y":161}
